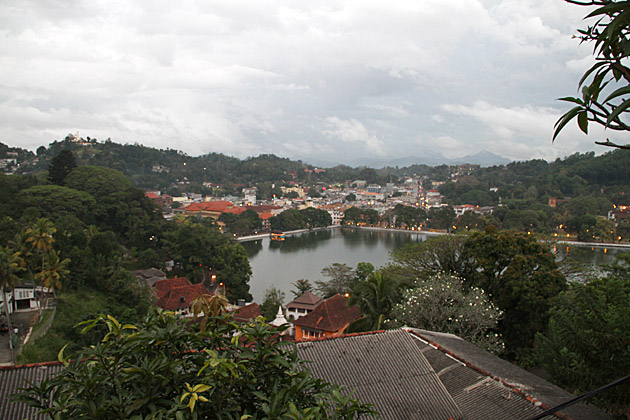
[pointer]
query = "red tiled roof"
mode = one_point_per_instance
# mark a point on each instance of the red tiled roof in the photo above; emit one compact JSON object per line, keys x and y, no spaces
{"x":181,"y":297}
{"x":219,"y":206}
{"x":265,"y":216}
{"x":162,"y":287}
{"x":331,"y":315}
{"x":247,"y":312}
{"x":307,"y":298}
{"x":151,"y":195}
{"x":306,"y":301}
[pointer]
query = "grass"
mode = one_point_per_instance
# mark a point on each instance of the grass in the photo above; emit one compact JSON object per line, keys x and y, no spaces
{"x":72,"y":308}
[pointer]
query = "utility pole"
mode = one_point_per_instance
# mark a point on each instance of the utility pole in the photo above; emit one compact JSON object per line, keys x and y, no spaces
{"x":10,"y":325}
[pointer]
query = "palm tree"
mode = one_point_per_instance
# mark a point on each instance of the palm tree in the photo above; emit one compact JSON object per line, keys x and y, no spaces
{"x":9,"y":266}
{"x":375,"y":297}
{"x":38,"y":240}
{"x":53,"y":270}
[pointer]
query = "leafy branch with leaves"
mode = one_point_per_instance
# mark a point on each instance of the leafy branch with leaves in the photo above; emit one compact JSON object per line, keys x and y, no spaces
{"x":609,"y":34}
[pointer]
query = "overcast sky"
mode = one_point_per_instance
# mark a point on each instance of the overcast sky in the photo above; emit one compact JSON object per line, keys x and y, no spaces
{"x":319,"y":80}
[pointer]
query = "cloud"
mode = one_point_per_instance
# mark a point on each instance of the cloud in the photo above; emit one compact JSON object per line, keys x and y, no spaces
{"x":352,"y":131}
{"x":244,"y":77}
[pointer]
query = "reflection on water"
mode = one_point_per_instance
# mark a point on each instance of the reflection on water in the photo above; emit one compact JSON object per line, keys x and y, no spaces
{"x":592,"y":255}
{"x":303,"y":256}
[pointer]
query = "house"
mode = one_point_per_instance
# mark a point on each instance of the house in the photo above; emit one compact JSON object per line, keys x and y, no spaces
{"x":247,"y":313}
{"x":302,"y":305}
{"x":23,"y":297}
{"x":150,"y":276}
{"x":329,"y":319}
{"x":177,"y":294}
{"x":423,"y":375}
{"x":208,"y":208}
{"x":161,"y":200}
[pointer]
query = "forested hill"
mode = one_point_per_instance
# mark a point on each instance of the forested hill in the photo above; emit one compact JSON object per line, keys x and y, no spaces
{"x":173,"y":171}
{"x":519,"y":184}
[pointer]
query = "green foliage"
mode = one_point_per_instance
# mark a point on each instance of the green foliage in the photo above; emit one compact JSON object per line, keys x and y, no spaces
{"x":60,"y":166}
{"x":408,"y":216}
{"x":375,"y":296}
{"x":587,"y":343}
{"x":442,"y":254}
{"x":274,"y":298}
{"x":341,"y":279}
{"x":301,"y":286}
{"x":290,"y":219}
{"x":164,"y":369}
{"x":316,"y":217}
{"x":197,"y":246}
{"x":442,"y":303}
{"x":609,"y":33}
{"x":441,"y":217}
{"x":360,"y":217}
{"x":54,"y":201}
{"x":246,"y":222}
{"x":521,"y":277}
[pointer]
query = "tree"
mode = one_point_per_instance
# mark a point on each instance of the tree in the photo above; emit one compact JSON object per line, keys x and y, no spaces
{"x":290,"y":219}
{"x":441,"y":217}
{"x":53,"y":270}
{"x":60,"y":166}
{"x":314,"y":192}
{"x":39,"y":237}
{"x":375,"y":297}
{"x":341,"y":280}
{"x":611,"y":49}
{"x":198,"y":246}
{"x":587,"y":343}
{"x":442,"y":254}
{"x":442,"y":303}
{"x":521,"y":277}
{"x":316,"y":217}
{"x":9,"y":267}
{"x":274,"y":298}
{"x":351,"y":197}
{"x":301,"y":286}
{"x":168,"y":369}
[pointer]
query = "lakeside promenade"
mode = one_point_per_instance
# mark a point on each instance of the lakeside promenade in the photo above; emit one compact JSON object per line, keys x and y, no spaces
{"x":430,"y":233}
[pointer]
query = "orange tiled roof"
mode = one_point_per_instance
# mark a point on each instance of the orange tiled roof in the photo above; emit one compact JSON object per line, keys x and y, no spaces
{"x":331,"y":315}
{"x":181,"y":297}
{"x":163,"y":286}
{"x":218,"y":206}
{"x":247,"y":312}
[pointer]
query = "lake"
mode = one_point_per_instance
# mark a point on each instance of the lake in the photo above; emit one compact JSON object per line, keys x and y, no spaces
{"x":302,"y":256}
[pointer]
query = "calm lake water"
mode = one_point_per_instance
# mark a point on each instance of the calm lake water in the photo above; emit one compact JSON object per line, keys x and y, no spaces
{"x":303,"y":256}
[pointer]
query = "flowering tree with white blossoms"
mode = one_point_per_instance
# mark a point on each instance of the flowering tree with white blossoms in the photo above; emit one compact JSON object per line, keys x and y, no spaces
{"x":442,"y":303}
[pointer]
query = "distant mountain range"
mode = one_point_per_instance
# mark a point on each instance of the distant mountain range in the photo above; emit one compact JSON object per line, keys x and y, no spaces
{"x":483,"y":158}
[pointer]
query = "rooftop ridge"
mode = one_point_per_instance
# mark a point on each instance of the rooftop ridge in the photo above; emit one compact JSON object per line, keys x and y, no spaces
{"x":512,"y":387}
{"x":30,"y":365}
{"x":336,"y":337}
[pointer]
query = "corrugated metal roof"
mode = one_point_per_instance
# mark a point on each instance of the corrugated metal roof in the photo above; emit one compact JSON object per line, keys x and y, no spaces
{"x":14,"y":378}
{"x":460,"y":381}
{"x":386,"y":369}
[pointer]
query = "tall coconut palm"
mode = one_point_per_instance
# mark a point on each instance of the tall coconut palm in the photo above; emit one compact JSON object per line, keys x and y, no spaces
{"x":53,"y":270}
{"x":38,"y":240}
{"x":375,"y":297}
